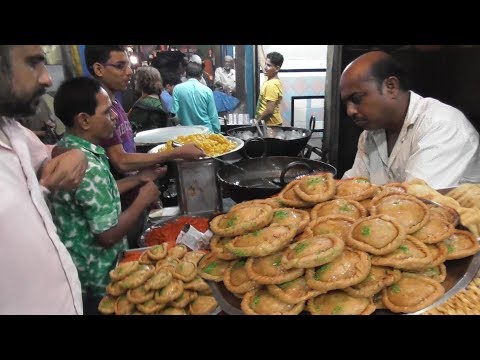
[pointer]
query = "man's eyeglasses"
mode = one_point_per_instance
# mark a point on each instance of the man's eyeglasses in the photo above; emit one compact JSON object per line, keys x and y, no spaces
{"x":120,"y":66}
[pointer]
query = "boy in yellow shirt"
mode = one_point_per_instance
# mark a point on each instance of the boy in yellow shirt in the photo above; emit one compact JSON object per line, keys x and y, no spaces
{"x":272,"y":92}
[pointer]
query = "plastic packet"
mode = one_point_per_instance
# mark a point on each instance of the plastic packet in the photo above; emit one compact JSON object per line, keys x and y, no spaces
{"x":194,"y":239}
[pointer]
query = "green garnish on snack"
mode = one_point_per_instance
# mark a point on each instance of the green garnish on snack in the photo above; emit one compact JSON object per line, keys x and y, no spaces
{"x":279,"y":215}
{"x":365,"y":230}
{"x":210,"y":267}
{"x":395,"y":288}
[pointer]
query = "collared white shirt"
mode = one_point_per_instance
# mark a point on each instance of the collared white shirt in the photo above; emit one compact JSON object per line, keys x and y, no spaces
{"x":37,"y":274}
{"x":437,"y":143}
{"x":226,"y":78}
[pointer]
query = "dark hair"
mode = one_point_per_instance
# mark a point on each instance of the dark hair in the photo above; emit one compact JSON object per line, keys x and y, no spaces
{"x":148,"y":80}
{"x":194,"y":70}
{"x":167,"y":61}
{"x":275,"y":58}
{"x":75,"y":96}
{"x":386,"y":67}
{"x":170,"y":78}
{"x":100,"y":54}
{"x":5,"y":62}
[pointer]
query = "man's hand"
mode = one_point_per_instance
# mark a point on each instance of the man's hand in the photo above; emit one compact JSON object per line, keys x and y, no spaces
{"x":147,"y":175}
{"x":188,"y":152}
{"x":64,"y":172}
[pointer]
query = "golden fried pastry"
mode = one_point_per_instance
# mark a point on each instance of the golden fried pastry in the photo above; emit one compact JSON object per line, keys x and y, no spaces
{"x":178,"y":251}
{"x":172,"y":311}
{"x":409,"y":211}
{"x":461,"y":244}
{"x":194,"y":256}
{"x":422,"y":190}
{"x":378,"y":234}
{"x":161,"y":278}
{"x":123,"y":306}
{"x":123,"y":270}
{"x":437,"y":273}
{"x":173,"y":290}
{"x":139,"y":295}
{"x":150,"y":307}
{"x":306,"y":234}
{"x":411,"y":293}
{"x":207,"y":292}
{"x":242,"y":220}
{"x":467,"y":195}
{"x":396,"y":186}
{"x":261,"y":302}
{"x":262,"y":242}
{"x":212,"y":268}
{"x":185,"y":271}
{"x":316,"y":188}
{"x":445,"y":212}
{"x":115,"y":289}
{"x":313,"y":251}
{"x":157,"y":252}
{"x":273,"y":202}
{"x":377,"y":279}
{"x":350,"y":268}
{"x":138,"y":278}
{"x":202,"y":305}
{"x":293,"y":292}
{"x":434,"y":231}
{"x":288,"y":196}
{"x":470,"y":217}
{"x":169,"y":263}
{"x":269,"y":270}
{"x":439,"y":253}
{"x":197,"y":284}
{"x":107,"y":305}
{"x":217,"y":246}
{"x":366,"y":204}
{"x":340,"y":303}
{"x":350,"y":208}
{"x":410,"y":255}
{"x":186,"y":298}
{"x":333,"y":224}
{"x":357,"y":188}
{"x":285,"y":216}
{"x":145,"y":259}
{"x":236,"y":279}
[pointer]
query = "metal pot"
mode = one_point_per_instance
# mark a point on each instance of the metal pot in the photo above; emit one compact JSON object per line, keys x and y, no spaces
{"x":278,"y":140}
{"x":260,"y":178}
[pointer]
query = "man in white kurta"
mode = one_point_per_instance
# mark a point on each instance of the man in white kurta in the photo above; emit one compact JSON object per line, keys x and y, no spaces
{"x":406,"y":136}
{"x":437,"y":143}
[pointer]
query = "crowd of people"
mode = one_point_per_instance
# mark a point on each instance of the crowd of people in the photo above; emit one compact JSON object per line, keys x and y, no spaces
{"x":98,"y":187}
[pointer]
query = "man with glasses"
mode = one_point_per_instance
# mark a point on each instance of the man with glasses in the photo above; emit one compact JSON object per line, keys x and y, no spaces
{"x":110,"y":65}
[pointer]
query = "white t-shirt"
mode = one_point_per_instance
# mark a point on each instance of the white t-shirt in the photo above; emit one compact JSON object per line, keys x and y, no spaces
{"x":437,"y":143}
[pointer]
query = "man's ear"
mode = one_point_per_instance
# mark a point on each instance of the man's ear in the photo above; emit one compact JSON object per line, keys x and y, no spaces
{"x":82,"y":120}
{"x":98,"y":69}
{"x":392,"y":85}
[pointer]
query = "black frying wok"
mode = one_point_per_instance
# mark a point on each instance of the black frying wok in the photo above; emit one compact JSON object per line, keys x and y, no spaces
{"x":274,"y":146}
{"x":266,"y":176}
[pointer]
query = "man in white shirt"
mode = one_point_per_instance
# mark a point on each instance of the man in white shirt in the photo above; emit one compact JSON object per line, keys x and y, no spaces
{"x":406,"y":136}
{"x":225,"y":76}
{"x":37,"y":274}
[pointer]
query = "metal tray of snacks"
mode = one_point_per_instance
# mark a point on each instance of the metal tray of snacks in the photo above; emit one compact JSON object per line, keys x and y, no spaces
{"x":134,"y":254}
{"x":459,"y":274}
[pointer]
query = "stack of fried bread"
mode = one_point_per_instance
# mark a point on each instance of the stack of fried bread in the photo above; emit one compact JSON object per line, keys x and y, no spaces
{"x":332,"y":247}
{"x":162,"y":282}
{"x":465,"y":199}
